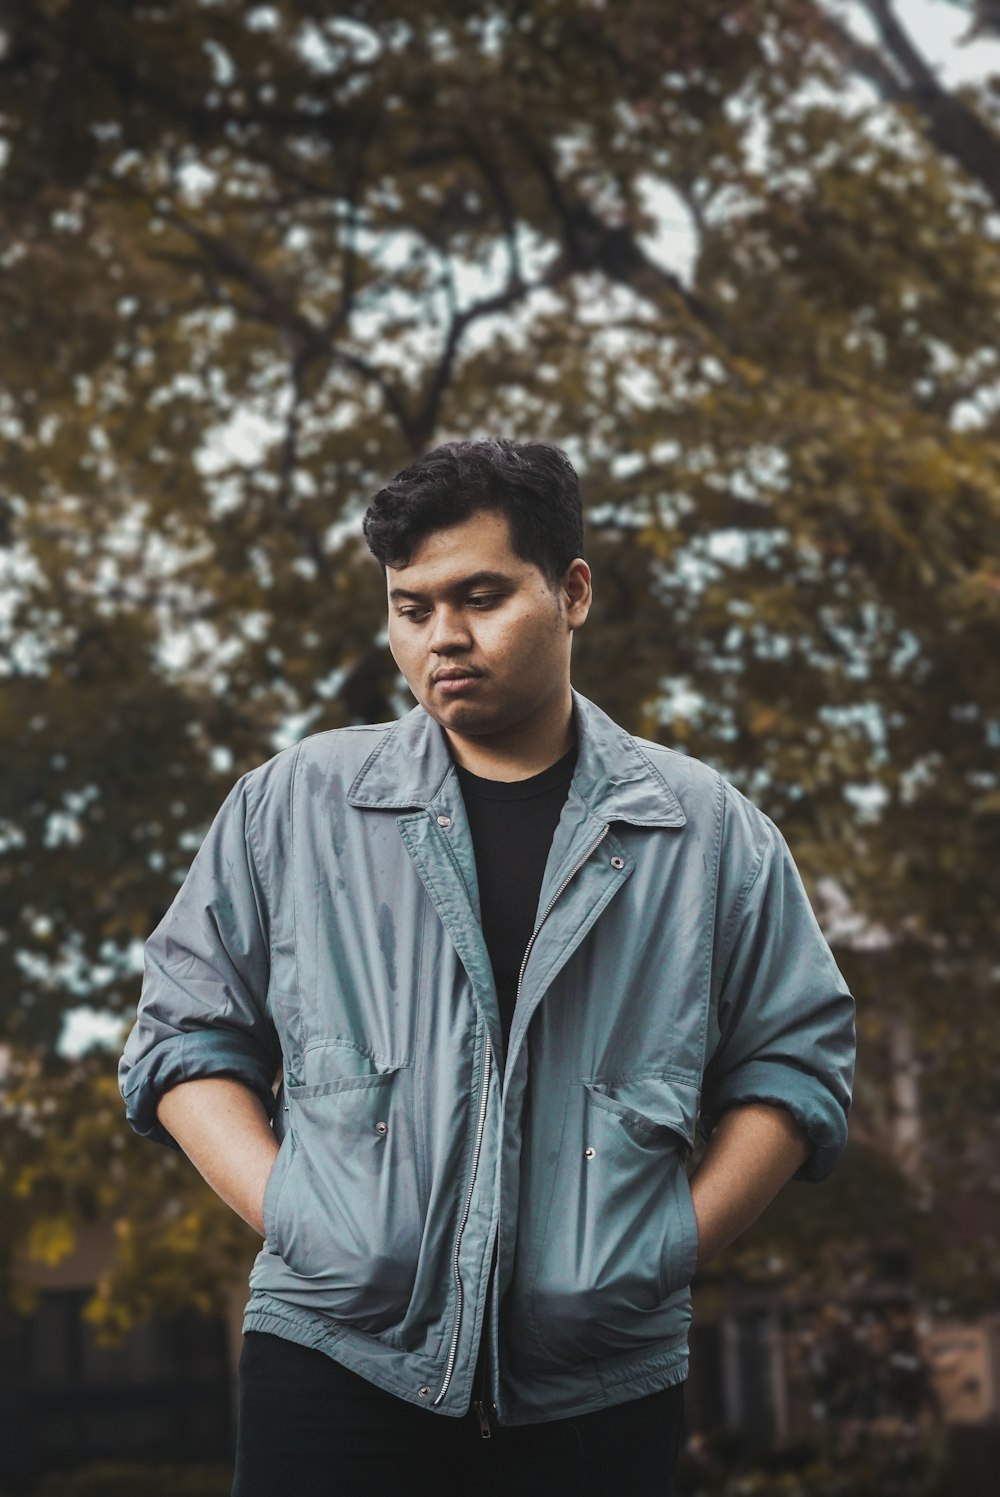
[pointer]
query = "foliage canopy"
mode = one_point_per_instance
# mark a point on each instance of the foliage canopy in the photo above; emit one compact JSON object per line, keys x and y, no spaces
{"x":739,"y":261}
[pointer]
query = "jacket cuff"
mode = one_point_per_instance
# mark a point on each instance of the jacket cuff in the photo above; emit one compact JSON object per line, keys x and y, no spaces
{"x":185,"y":1057}
{"x":783,"y":1085}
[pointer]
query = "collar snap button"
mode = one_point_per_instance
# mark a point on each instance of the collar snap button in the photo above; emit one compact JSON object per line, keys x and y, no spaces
{"x":618,"y":862}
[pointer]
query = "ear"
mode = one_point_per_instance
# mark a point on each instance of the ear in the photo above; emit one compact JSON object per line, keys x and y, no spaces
{"x":576,"y":592}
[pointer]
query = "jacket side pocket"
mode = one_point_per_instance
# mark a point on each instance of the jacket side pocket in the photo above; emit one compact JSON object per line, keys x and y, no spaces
{"x":346,"y":1213}
{"x":272,"y":1191}
{"x":621,"y":1240}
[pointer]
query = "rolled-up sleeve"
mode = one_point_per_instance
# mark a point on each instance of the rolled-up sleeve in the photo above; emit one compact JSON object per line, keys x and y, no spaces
{"x":786,"y":1031}
{"x":203,"y":1006}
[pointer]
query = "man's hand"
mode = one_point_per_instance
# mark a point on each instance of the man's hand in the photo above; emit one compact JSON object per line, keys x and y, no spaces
{"x":753,"y":1151}
{"x":223,"y":1129}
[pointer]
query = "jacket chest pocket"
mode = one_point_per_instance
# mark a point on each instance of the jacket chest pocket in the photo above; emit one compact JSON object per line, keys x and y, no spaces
{"x":621,"y":1237}
{"x":343,"y":1206}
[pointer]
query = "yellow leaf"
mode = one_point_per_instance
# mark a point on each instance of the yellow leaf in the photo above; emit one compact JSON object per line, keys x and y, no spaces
{"x":51,"y":1239}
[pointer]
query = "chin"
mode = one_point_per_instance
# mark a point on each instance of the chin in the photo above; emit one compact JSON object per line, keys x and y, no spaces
{"x":462,"y":717}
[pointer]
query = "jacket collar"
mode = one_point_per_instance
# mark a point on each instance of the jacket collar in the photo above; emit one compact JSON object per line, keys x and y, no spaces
{"x":613,"y":776}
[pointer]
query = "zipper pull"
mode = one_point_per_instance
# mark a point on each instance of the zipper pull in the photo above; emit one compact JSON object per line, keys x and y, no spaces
{"x":484,"y":1423}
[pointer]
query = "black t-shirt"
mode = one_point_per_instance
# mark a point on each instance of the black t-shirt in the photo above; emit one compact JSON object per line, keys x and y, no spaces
{"x":512,"y":824}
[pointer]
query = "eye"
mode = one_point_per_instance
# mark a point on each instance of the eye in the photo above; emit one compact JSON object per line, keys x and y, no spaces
{"x":483,"y":600}
{"x":414,"y":614}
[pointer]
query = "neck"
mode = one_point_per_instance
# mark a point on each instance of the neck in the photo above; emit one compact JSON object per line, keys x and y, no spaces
{"x":519,"y":752}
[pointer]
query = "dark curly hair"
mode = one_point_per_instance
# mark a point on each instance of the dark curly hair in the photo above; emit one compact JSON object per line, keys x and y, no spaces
{"x":533,"y":483}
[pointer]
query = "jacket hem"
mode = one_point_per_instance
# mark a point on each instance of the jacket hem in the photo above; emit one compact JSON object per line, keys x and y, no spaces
{"x":609,"y":1385}
{"x":373,"y":1360}
{"x":536,"y":1400}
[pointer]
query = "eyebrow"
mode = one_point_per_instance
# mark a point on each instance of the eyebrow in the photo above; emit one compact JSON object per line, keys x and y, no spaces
{"x":463,"y":584}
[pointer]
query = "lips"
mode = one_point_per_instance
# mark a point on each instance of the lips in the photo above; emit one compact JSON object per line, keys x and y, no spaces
{"x":451,"y":682}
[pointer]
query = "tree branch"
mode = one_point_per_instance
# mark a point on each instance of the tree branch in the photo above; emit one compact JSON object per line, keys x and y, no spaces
{"x":903,"y":76}
{"x":860,"y":56}
{"x":591,"y":244}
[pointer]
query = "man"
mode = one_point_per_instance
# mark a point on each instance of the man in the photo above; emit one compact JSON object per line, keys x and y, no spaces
{"x":496,"y":960}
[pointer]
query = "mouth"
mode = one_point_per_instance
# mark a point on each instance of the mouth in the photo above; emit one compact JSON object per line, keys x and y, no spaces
{"x":453,"y":683}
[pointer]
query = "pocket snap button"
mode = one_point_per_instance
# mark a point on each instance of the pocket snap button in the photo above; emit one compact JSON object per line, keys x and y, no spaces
{"x":444,"y":821}
{"x":618,"y":862}
{"x":589,"y":1153}
{"x":381,"y":1127}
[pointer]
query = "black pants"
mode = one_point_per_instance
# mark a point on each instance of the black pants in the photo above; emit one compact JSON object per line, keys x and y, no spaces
{"x":309,"y":1427}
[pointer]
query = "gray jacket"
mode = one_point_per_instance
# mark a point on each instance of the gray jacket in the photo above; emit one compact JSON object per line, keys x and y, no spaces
{"x":326,"y":948}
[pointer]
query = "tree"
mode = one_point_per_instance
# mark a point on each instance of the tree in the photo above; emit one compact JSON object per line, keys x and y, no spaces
{"x":257,"y":257}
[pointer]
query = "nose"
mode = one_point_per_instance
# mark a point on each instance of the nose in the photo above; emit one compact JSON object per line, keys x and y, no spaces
{"x":449,"y":633}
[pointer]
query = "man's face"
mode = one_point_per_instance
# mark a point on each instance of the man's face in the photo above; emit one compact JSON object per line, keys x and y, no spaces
{"x":481,"y":637}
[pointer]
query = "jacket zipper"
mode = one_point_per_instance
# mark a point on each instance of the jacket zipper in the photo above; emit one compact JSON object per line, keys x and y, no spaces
{"x":484,"y":1423}
{"x":456,"y":1269}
